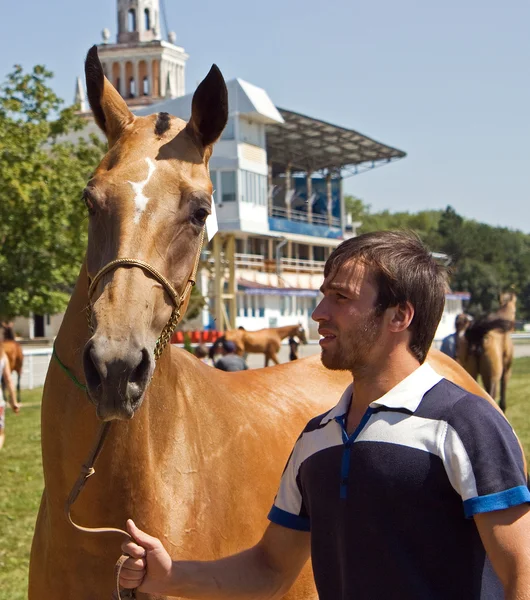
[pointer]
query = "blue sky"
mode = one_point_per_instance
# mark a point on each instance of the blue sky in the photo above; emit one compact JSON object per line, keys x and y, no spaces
{"x":446,"y":82}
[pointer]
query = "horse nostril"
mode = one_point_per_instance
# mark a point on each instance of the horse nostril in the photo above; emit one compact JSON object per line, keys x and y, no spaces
{"x":92,"y":374}
{"x":140,"y":374}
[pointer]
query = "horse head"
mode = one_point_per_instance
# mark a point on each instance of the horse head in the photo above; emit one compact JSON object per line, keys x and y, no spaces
{"x":300,"y":333}
{"x":148,"y":201}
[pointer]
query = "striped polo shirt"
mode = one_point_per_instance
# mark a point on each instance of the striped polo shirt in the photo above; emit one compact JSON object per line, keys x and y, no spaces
{"x":389,"y":507}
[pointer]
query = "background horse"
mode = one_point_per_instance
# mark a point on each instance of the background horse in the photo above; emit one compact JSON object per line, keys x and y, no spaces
{"x":185,"y":456}
{"x":486,"y":348}
{"x":15,"y":356}
{"x":264,"y":341}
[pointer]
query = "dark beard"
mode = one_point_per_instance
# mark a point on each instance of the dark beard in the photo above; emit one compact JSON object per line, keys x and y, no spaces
{"x":351,"y":356}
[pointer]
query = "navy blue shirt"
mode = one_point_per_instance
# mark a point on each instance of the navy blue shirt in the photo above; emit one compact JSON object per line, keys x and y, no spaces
{"x":389,"y":507}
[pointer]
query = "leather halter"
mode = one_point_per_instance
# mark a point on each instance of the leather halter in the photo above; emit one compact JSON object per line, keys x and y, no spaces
{"x":177,"y":300}
{"x":87,"y":469}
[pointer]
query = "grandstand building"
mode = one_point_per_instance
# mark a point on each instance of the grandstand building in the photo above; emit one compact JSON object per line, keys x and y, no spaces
{"x":277,"y":178}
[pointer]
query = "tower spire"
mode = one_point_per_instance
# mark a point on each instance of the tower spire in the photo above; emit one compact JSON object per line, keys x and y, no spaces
{"x":80,"y":96}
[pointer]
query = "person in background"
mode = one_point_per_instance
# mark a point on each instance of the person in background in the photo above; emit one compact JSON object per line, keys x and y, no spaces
{"x":231,"y":361}
{"x":201,"y":352}
{"x":293,"y":348}
{"x":449,"y":342}
{"x":5,"y":373}
{"x":216,"y":351}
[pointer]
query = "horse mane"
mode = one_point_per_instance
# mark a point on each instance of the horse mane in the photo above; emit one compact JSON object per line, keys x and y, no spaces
{"x":9,"y":334}
{"x":477,"y":331}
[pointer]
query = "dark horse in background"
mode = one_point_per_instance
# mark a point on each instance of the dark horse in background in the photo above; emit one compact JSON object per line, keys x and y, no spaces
{"x":486,"y":348}
{"x":14,"y":355}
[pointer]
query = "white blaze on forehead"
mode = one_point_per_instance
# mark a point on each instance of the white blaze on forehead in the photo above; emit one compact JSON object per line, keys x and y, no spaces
{"x":139,"y":199}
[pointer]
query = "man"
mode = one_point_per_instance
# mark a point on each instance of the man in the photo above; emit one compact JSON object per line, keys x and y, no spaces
{"x":449,"y":343}
{"x":409,"y":488}
{"x":230,"y":361}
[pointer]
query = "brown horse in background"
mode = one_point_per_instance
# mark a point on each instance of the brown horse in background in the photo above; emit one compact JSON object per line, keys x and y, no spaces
{"x":15,"y":356}
{"x":264,"y":341}
{"x":486,"y":348}
{"x":185,"y":453}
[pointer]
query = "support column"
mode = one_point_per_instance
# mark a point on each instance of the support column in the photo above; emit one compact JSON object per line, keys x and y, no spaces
{"x":136,"y":74}
{"x":309,"y":186}
{"x":329,"y":197}
{"x":230,"y":256}
{"x":269,"y":188}
{"x":288,"y":190}
{"x":163,"y":78}
{"x":150,"y":83}
{"x":218,"y":283}
{"x":123,"y":83}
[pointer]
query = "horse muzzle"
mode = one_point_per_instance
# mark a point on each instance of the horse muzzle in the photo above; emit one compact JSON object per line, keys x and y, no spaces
{"x":117,"y":374}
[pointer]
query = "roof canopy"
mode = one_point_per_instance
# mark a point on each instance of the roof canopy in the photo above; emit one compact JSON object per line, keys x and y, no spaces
{"x":310,"y":145}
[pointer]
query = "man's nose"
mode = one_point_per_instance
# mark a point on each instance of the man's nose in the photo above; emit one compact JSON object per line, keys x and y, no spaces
{"x":320,"y":312}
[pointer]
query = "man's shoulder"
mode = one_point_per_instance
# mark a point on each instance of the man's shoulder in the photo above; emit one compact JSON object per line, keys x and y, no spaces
{"x":447,"y":401}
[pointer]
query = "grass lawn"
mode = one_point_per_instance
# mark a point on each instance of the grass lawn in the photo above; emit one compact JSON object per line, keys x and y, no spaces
{"x":21,"y":477}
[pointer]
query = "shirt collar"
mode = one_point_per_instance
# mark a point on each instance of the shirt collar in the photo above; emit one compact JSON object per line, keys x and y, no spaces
{"x":407,"y":394}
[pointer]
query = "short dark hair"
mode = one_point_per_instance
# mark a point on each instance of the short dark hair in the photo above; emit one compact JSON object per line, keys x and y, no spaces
{"x":229,"y":346}
{"x":404,"y":271}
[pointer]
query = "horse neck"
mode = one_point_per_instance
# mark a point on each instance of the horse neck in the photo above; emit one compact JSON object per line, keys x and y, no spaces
{"x":507,"y":311}
{"x":287,"y":330}
{"x":73,"y":333}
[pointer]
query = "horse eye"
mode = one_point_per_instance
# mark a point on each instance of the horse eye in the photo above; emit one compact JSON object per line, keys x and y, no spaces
{"x":88,"y":202}
{"x":200,"y":215}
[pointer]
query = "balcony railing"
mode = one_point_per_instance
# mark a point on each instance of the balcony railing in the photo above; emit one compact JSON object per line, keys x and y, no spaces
{"x":260,"y":263}
{"x":303,"y":217}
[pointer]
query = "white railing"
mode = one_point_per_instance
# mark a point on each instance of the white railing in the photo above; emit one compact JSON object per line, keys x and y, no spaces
{"x":242,"y":260}
{"x":249,"y":260}
{"x":303,"y":217}
{"x":35,"y":367}
{"x":303,"y":266}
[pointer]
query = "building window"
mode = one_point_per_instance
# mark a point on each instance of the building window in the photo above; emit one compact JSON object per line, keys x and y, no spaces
{"x":147,"y":19}
{"x":131,"y":20}
{"x":228,"y":186}
{"x":213,"y":179}
{"x":254,"y":188}
{"x":146,"y":86}
{"x":132,"y":88}
{"x":228,"y":131}
{"x":319,"y":253}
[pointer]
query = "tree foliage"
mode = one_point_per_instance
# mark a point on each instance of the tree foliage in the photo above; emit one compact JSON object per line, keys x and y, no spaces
{"x":485,"y":260}
{"x":42,"y":220}
{"x":43,"y":223}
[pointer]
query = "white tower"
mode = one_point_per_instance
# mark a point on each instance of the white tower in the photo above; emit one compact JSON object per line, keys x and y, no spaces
{"x":142,"y":66}
{"x":138,"y":21}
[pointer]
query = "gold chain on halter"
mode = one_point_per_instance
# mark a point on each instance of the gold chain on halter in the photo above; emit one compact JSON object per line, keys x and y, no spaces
{"x":177,"y":300}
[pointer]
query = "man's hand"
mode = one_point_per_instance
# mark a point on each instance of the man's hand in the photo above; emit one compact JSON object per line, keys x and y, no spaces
{"x":149,"y":567}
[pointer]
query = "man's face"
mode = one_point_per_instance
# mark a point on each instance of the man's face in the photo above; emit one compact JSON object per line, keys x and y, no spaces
{"x":347,"y":318}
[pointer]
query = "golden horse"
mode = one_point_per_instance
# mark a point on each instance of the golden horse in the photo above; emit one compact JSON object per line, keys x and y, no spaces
{"x":486,"y":348}
{"x":14,"y":355}
{"x":264,"y":341}
{"x":194,"y":455}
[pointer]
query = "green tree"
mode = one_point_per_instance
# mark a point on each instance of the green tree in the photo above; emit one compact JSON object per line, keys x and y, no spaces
{"x":42,"y":219}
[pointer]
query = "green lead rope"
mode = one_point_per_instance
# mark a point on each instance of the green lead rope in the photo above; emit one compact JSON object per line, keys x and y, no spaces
{"x":65,"y":369}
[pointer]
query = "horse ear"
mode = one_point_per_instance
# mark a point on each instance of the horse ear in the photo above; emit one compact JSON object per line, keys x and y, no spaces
{"x":110,"y":110}
{"x":209,"y":108}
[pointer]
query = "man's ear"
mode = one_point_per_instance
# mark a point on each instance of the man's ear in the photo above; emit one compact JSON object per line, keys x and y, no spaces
{"x":401,"y":317}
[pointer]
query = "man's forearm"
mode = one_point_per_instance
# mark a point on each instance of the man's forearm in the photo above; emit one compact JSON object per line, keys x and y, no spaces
{"x":244,"y":576}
